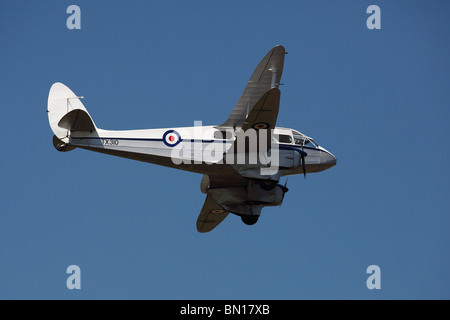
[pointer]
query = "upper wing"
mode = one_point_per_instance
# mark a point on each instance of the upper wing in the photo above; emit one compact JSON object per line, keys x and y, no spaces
{"x":265,"y":112}
{"x":262,"y":116}
{"x":211,"y":215}
{"x":266,"y":76}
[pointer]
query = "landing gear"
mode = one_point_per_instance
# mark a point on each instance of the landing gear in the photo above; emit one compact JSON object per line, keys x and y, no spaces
{"x":61,"y":146}
{"x":249,"y":220}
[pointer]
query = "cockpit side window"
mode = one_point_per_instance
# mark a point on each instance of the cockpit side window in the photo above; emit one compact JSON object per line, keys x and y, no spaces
{"x":298,"y":140}
{"x":284,"y":138}
{"x":304,"y":141}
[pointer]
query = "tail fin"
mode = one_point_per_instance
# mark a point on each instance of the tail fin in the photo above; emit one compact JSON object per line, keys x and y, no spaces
{"x":66,"y":113}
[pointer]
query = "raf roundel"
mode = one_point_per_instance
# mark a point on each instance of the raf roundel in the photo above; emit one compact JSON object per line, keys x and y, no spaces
{"x":261,"y":125}
{"x":216,"y":211}
{"x":171,"y":138}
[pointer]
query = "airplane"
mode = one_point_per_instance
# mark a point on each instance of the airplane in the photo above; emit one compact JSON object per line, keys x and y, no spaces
{"x":242,"y":160}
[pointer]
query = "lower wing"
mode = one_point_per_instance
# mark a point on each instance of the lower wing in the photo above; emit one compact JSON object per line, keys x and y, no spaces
{"x":211,"y":215}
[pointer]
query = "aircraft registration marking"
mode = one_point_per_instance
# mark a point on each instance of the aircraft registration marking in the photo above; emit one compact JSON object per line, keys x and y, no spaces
{"x":110,"y":142}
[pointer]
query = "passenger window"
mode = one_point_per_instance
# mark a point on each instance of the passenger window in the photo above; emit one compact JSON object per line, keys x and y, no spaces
{"x":283,"y":138}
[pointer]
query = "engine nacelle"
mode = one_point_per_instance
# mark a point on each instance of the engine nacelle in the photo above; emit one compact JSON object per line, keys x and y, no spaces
{"x":247,"y":201}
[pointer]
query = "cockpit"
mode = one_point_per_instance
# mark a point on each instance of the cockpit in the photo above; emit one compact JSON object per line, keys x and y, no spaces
{"x":297,"y":138}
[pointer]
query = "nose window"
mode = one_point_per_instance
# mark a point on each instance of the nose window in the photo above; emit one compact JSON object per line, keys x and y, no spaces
{"x":303,"y":141}
{"x":311,"y":142}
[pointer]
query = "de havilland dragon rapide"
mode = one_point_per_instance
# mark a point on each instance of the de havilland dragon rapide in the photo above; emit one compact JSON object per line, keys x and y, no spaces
{"x":242,"y":160}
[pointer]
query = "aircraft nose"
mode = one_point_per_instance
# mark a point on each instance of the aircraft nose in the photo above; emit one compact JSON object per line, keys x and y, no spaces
{"x":327,"y":159}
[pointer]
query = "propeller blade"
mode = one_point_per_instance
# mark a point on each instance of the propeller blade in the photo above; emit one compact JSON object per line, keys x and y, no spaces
{"x":304,"y":166}
{"x":303,"y":162}
{"x":284,"y":189}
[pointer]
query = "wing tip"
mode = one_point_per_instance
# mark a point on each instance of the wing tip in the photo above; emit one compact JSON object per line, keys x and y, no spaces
{"x":279,"y":47}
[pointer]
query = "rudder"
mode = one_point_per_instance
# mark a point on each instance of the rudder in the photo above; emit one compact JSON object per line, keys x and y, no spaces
{"x":66,"y":113}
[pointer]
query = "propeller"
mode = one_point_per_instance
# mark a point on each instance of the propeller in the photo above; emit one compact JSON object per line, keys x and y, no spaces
{"x":303,"y":155}
{"x":284,"y":189}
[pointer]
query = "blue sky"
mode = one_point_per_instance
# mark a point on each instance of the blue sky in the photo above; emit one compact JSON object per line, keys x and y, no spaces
{"x":378,"y":99}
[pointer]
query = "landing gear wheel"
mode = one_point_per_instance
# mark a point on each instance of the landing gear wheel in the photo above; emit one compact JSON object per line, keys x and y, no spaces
{"x":249,"y":220}
{"x":61,"y":146}
{"x":268,"y":184}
